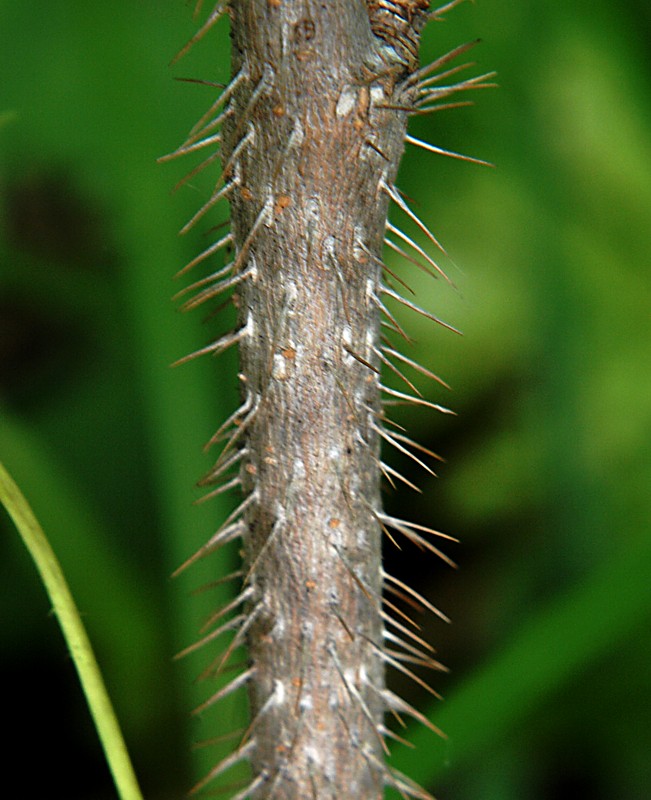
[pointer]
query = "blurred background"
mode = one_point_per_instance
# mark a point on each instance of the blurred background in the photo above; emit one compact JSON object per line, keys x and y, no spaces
{"x":548,"y":464}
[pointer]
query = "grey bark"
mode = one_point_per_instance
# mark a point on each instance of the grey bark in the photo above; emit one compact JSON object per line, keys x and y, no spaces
{"x":308,"y":146}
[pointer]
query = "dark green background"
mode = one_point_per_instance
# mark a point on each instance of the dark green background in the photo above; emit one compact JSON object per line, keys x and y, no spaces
{"x":548,"y":473}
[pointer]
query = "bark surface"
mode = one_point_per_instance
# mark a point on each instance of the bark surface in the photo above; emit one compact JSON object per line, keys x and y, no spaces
{"x":311,"y":139}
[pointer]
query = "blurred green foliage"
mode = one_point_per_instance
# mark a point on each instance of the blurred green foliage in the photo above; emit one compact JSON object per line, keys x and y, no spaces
{"x":548,"y":462}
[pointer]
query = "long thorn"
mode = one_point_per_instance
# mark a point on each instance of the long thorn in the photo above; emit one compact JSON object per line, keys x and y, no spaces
{"x":224,"y":765}
{"x":227,"y":626}
{"x":419,"y":401}
{"x":191,"y":147}
{"x":217,"y":471}
{"x":234,"y":685}
{"x":392,"y":229}
{"x":216,"y":289}
{"x":214,"y":198}
{"x":401,"y":437}
{"x":221,"y":100}
{"x":418,"y":309}
{"x":388,"y":618}
{"x":423,"y":72}
{"x":215,"y":14}
{"x":389,"y":438}
{"x":223,"y":242}
{"x":234,"y":603}
{"x":387,"y":469}
{"x":394,"y":701}
{"x":433,"y":149}
{"x":212,"y":278}
{"x":216,"y":347}
{"x":396,"y":371}
{"x":415,"y":365}
{"x":399,"y":201}
{"x":416,"y":595}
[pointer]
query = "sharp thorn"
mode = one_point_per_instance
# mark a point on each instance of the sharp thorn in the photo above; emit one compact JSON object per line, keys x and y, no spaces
{"x":433,"y":149}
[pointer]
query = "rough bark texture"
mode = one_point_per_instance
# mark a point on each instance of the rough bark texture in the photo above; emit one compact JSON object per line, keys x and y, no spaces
{"x":308,"y":147}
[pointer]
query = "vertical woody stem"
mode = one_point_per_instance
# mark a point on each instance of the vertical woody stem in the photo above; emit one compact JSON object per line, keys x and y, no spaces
{"x":310,"y":143}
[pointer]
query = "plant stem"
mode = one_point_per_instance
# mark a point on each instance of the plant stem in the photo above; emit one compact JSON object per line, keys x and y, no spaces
{"x":312,"y":129}
{"x":311,"y":148}
{"x":75,"y":635}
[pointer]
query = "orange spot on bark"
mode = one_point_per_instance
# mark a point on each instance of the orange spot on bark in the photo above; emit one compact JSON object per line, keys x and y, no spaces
{"x":281,"y":204}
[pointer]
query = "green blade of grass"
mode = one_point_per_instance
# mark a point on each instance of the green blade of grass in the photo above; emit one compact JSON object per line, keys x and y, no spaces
{"x":75,"y":635}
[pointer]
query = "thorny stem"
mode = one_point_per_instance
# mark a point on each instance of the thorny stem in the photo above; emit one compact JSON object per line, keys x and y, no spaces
{"x":318,"y":156}
{"x":313,"y":127}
